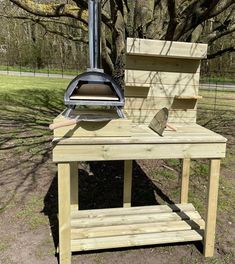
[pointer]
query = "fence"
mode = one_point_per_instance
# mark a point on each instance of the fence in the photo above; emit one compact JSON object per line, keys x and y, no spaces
{"x":216,"y":87}
{"x":218,"y":91}
{"x":50,"y":69}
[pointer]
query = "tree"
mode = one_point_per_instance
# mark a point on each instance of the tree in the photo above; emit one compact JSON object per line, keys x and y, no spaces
{"x":181,"y":20}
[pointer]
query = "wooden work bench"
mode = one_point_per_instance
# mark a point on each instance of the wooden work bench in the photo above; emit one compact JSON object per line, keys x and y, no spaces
{"x":81,"y":230}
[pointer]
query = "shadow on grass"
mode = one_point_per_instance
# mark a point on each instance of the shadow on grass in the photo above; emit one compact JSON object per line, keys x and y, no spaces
{"x":25,"y":138}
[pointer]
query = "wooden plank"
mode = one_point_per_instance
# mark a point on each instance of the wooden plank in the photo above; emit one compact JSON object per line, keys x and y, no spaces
{"x":141,"y":136}
{"x":153,"y":102}
{"x":64,"y":153}
{"x":163,"y":48}
{"x":117,"y":127}
{"x":64,"y":213}
{"x":175,"y":116}
{"x":131,"y":229}
{"x":96,"y":213}
{"x":188,"y":97}
{"x":74,"y":184}
{"x":127,"y":183}
{"x":135,"y":240}
{"x":144,"y":77}
{"x":147,"y":63}
{"x":133,"y":219}
{"x":146,"y":138}
{"x":185,"y":181}
{"x":212,"y":197}
{"x":161,"y":90}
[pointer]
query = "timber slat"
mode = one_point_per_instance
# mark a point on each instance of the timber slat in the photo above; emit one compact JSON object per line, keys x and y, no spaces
{"x":117,"y":230}
{"x":135,"y":240}
{"x":129,"y":219}
{"x":96,"y":213}
{"x":163,"y":48}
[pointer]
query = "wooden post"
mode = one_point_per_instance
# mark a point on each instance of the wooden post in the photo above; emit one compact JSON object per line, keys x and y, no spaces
{"x":212,"y":196}
{"x":64,"y":170}
{"x":127,"y":183}
{"x":74,"y":185}
{"x":185,"y":181}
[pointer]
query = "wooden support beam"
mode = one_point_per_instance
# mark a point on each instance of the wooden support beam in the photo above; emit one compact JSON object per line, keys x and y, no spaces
{"x":64,"y":170}
{"x":74,"y":184}
{"x":212,"y":196}
{"x":127,"y":183}
{"x":185,"y":181}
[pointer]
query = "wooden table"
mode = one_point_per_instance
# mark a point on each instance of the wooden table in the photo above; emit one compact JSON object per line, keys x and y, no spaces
{"x":136,"y":226}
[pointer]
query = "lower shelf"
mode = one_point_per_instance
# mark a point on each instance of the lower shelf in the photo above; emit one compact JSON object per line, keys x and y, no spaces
{"x":135,"y":226}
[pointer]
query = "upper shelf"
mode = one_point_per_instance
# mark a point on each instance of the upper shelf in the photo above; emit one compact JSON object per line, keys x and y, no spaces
{"x":162,"y":48}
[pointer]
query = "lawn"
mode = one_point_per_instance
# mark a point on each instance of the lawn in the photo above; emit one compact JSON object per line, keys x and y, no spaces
{"x":42,"y":70}
{"x":28,"y":182}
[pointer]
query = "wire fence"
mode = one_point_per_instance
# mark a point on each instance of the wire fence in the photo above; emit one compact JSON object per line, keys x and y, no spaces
{"x":216,"y":87}
{"x":50,"y":69}
{"x":218,"y":91}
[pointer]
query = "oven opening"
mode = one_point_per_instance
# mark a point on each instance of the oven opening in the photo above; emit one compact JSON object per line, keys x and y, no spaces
{"x":91,"y":90}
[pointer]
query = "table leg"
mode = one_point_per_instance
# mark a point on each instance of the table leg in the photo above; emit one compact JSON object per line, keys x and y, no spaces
{"x":74,"y":185}
{"x":212,"y":196}
{"x":185,"y":181}
{"x":64,"y":170}
{"x":127,"y":183}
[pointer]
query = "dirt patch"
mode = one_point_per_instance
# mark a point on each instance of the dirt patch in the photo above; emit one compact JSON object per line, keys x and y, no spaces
{"x":28,"y":196}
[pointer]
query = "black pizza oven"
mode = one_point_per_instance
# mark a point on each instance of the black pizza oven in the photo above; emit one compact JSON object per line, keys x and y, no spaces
{"x":94,"y":87}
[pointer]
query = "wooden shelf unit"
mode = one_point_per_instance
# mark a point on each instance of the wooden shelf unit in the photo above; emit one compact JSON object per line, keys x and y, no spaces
{"x":157,"y":72}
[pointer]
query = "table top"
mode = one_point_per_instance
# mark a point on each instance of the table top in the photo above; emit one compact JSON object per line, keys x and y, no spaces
{"x":142,"y":134}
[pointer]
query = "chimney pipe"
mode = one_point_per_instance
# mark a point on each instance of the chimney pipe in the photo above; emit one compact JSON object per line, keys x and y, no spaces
{"x":94,"y":35}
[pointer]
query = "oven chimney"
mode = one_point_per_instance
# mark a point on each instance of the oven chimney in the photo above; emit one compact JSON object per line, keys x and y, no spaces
{"x":94,"y":35}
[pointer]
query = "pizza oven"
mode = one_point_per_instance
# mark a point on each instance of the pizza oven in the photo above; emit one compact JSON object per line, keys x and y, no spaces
{"x":94,"y":87}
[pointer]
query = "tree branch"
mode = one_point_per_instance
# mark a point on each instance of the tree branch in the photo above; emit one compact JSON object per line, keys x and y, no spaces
{"x":49,"y":30}
{"x":44,"y":20}
{"x":220,"y":53}
{"x":223,"y":6}
{"x":217,"y":35}
{"x":77,"y":11}
{"x":193,"y":15}
{"x":52,"y":10}
{"x":172,"y":23}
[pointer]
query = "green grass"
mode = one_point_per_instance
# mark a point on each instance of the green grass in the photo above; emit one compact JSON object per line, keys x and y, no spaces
{"x":42,"y":70}
{"x":28,"y":106}
{"x":9,"y":83}
{"x":31,"y":215}
{"x":217,"y":79}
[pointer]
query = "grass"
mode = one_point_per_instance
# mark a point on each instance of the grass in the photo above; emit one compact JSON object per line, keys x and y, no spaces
{"x":217,"y":79}
{"x":16,"y":83}
{"x":30,"y":213}
{"x":42,"y":70}
{"x":28,"y":106}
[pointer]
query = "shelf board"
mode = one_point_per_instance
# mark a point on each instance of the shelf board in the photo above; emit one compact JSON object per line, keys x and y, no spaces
{"x":127,"y":227}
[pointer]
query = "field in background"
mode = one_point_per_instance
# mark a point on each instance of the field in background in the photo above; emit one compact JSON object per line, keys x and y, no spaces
{"x":28,"y":193}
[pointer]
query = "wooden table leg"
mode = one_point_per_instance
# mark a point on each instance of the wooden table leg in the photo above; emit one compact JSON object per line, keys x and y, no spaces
{"x":64,"y":170}
{"x":212,"y":196}
{"x":127,"y":183}
{"x":74,"y":185}
{"x":185,"y":181}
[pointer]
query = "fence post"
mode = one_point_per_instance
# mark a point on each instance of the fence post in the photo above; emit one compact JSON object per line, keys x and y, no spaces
{"x":7,"y":68}
{"x":48,"y":70}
